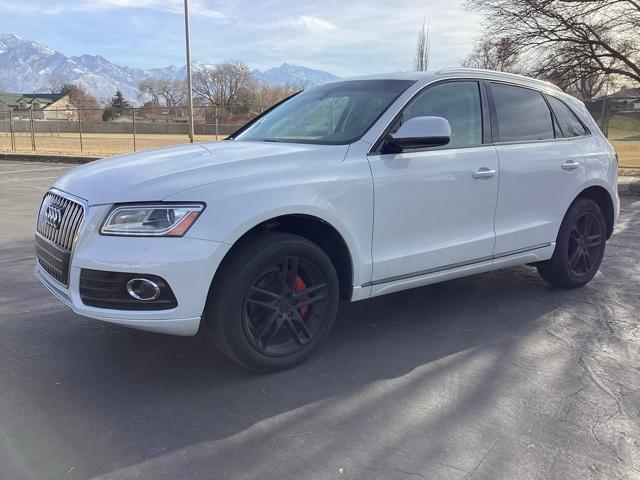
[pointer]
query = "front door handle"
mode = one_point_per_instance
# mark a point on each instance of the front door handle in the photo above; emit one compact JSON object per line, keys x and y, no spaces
{"x":484,"y":172}
{"x":570,"y":165}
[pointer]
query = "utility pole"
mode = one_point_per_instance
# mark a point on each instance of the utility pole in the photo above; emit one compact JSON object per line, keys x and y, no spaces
{"x":189,"y":83}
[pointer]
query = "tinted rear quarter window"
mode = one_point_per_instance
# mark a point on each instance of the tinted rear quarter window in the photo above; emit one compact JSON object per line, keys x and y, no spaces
{"x":569,"y":123}
{"x":522,"y":114}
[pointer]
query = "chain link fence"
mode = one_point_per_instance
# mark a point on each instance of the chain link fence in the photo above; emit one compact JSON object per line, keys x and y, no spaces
{"x":620,"y":122}
{"x":87,"y":131}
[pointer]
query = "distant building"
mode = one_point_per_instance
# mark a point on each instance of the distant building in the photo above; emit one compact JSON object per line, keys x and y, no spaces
{"x":626,"y":100}
{"x":45,"y":106}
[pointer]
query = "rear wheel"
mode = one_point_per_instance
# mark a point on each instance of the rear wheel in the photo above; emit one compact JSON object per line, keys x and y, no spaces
{"x":274,"y":302}
{"x":579,"y":246}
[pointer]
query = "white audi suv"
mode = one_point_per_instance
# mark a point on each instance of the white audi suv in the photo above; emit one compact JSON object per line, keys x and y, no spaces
{"x":345,"y":191}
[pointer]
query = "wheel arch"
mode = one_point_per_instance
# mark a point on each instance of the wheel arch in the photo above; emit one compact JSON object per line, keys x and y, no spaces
{"x":314,"y":229}
{"x":602,"y":197}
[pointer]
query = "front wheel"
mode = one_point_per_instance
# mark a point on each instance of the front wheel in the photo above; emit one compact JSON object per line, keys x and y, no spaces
{"x":274,"y":302}
{"x":579,"y":246}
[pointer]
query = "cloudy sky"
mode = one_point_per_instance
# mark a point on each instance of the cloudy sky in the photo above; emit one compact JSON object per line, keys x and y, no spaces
{"x":345,"y":37}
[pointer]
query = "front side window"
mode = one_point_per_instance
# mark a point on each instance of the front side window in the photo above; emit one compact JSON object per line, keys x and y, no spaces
{"x":458,"y":103}
{"x":569,"y":123}
{"x":336,"y":113}
{"x":522,"y":114}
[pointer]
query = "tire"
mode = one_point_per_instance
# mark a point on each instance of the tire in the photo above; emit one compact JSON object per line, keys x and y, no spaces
{"x":267,"y":320}
{"x":579,"y":247}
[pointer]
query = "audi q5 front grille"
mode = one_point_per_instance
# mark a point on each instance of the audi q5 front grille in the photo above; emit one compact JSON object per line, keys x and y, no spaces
{"x":56,"y":229}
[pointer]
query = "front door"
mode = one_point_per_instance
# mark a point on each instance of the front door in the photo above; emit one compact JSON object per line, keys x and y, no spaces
{"x":434,"y":209}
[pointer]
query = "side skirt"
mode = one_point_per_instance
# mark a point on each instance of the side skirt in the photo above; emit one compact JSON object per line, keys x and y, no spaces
{"x":440,"y":274}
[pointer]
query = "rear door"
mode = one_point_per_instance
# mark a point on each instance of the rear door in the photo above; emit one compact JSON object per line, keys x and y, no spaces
{"x":540,"y":171}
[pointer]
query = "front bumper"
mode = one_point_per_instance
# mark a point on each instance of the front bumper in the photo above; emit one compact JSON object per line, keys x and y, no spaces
{"x":187,"y":264}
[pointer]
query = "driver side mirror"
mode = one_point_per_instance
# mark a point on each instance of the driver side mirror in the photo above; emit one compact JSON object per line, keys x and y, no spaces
{"x":419,"y":132}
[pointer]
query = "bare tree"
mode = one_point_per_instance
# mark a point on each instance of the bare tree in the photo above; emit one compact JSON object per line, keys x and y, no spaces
{"x":171,"y":93}
{"x":223,"y":84}
{"x":147,"y":88}
{"x":206,"y":85}
{"x":56,"y":83}
{"x":79,"y":98}
{"x":235,"y":76}
{"x":570,"y":36}
{"x":584,"y":82}
{"x":421,"y":62}
{"x":499,"y":54}
{"x":264,"y":95}
{"x":590,"y":86}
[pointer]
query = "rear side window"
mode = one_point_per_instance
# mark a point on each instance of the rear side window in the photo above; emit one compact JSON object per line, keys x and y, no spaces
{"x":522,"y":114}
{"x":569,"y":123}
{"x":458,"y":102}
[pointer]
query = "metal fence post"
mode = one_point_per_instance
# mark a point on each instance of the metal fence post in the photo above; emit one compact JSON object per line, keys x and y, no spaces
{"x":605,"y":116}
{"x":58,"y":122}
{"x":80,"y":129}
{"x":215,"y":114}
{"x":133,"y":116}
{"x":13,"y":137}
{"x":33,"y":134}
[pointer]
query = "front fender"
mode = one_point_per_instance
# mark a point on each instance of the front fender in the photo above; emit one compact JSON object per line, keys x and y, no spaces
{"x":339,"y":193}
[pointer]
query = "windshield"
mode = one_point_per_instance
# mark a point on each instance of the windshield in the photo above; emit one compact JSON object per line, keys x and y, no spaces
{"x":336,"y":113}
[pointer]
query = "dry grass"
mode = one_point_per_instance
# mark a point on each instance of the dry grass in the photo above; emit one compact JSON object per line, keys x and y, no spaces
{"x":626,"y":142}
{"x":624,"y":135}
{"x":628,"y":153}
{"x":95,"y":143}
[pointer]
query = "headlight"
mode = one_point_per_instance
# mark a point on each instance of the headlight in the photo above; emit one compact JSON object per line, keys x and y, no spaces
{"x":158,"y":220}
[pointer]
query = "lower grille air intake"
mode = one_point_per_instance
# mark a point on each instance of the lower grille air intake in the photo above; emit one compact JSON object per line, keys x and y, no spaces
{"x":115,"y":290}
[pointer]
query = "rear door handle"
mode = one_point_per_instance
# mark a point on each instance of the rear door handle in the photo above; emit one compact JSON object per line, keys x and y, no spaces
{"x":484,"y":172}
{"x":570,"y":165}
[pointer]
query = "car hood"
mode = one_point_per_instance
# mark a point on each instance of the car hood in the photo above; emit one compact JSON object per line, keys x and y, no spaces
{"x":154,"y":175}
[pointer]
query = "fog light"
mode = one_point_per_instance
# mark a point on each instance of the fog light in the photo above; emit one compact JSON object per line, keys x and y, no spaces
{"x":143,"y":289}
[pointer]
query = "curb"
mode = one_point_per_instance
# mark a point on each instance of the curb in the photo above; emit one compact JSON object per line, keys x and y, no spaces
{"x":41,"y":157}
{"x":629,"y":185}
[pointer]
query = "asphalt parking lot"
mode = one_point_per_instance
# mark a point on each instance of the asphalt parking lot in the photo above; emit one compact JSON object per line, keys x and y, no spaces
{"x":496,"y":376}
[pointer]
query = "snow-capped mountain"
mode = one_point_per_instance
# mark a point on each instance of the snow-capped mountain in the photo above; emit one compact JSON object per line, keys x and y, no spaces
{"x":26,"y":66}
{"x":293,"y":75}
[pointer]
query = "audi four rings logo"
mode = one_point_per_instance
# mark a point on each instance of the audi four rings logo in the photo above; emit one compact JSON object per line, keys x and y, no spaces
{"x":54,"y":215}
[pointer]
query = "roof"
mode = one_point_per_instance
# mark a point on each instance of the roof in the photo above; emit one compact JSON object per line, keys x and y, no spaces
{"x":631,"y":93}
{"x":12,"y":99}
{"x":45,"y":97}
{"x":459,"y":72}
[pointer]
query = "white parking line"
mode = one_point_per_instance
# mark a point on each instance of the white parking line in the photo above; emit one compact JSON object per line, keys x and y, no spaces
{"x":26,"y":179}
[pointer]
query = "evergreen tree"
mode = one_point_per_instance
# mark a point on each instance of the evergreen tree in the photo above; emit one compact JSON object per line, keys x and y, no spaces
{"x":117,"y":107}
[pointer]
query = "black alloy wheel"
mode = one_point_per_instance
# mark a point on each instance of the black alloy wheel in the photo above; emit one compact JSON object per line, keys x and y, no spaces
{"x":585,"y":244}
{"x":579,"y":246}
{"x":285,"y":306}
{"x":273,"y":302}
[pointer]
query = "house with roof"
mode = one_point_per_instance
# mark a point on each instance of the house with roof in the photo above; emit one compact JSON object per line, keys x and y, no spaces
{"x":45,"y":106}
{"x":626,"y":100}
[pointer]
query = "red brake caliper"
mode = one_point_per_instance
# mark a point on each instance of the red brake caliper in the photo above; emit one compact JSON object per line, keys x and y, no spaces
{"x":298,"y":287}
